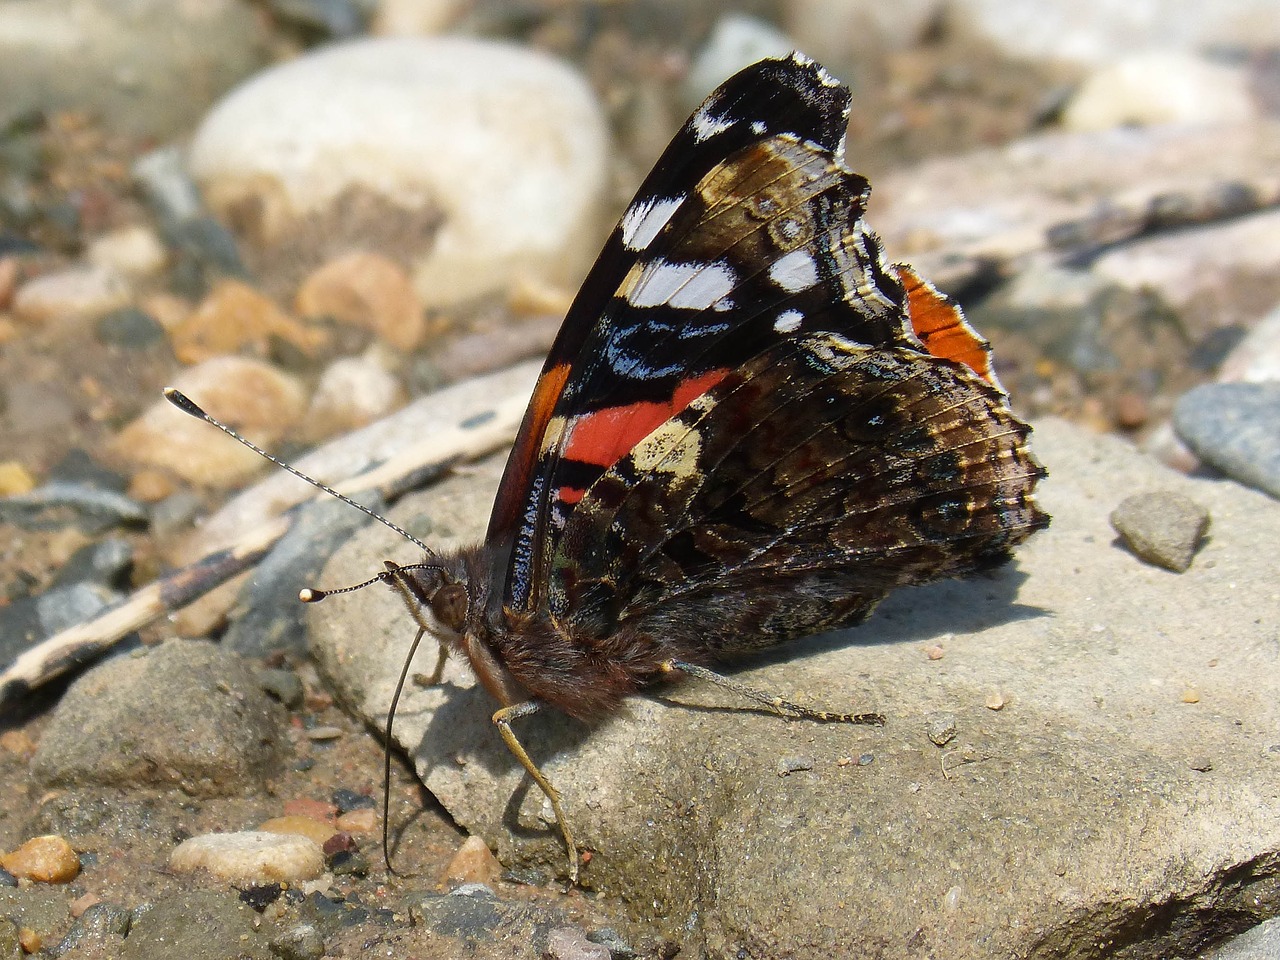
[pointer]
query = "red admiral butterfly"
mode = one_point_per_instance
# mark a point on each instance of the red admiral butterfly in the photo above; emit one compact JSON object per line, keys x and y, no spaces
{"x":749,"y":430}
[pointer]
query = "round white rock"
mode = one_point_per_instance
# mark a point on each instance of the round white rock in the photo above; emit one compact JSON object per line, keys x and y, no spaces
{"x":250,"y":855}
{"x":509,"y":146}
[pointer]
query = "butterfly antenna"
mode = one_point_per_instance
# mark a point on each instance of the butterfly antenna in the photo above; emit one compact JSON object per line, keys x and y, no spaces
{"x":189,"y":406}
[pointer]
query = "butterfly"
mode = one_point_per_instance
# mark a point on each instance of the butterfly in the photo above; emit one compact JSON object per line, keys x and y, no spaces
{"x":749,"y":430}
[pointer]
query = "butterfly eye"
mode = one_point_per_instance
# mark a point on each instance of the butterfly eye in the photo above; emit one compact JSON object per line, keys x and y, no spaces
{"x":449,"y":604}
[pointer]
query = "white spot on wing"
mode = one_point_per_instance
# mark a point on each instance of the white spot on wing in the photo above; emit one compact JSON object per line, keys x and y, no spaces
{"x":788,"y":321}
{"x":686,"y":286}
{"x":642,"y":222}
{"x":758,"y":127}
{"x":795,"y":271}
{"x":706,"y":124}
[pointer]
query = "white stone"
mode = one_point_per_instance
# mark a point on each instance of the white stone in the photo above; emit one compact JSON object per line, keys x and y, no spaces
{"x":352,"y":392}
{"x":1100,"y":31}
{"x":841,"y":32}
{"x":508,"y":144}
{"x":134,"y":251}
{"x":1256,"y":358}
{"x":77,"y":291}
{"x":1159,"y":87}
{"x":250,"y":855}
{"x":736,"y":41}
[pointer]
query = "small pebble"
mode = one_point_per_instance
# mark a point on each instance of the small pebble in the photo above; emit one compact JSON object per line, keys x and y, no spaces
{"x":315,"y":809}
{"x":1161,"y":527}
{"x":571,"y":943}
{"x":941,"y":728}
{"x":1201,"y":764}
{"x":15,"y":478}
{"x":47,"y":859}
{"x":347,"y":800}
{"x":790,"y":765}
{"x":29,"y":940}
{"x":349,"y":863}
{"x":473,"y":863}
{"x":1190,"y":695}
{"x":324,"y":733}
{"x":315,"y":830}
{"x":252,"y":855}
{"x":129,"y":328}
{"x":340,"y":842}
{"x":133,"y":251}
{"x":352,"y":392}
{"x":284,"y":685}
{"x":935,"y":652}
{"x":358,"y":821}
{"x":235,"y":317}
{"x":1159,"y":87}
{"x":366,"y":290}
{"x":996,"y":701}
{"x":81,"y":291}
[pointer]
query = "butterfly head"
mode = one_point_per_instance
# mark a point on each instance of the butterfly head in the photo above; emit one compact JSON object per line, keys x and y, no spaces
{"x":436,"y":594}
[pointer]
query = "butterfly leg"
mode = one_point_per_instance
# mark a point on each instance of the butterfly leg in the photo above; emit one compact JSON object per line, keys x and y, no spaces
{"x":502,"y":720}
{"x":778,"y":705}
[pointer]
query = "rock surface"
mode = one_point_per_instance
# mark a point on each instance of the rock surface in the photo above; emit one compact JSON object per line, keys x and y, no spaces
{"x":187,"y":714}
{"x":1234,"y":427}
{"x":1098,"y":785}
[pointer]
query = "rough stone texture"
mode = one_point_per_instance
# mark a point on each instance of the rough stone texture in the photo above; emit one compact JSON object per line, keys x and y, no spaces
{"x":1161,"y":527}
{"x":1080,"y":815}
{"x":205,"y":925}
{"x":186,"y":714}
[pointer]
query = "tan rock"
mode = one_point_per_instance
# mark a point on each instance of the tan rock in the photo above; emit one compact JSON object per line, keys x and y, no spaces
{"x":259,"y":400}
{"x":363,"y":820}
{"x":315,"y":830}
{"x":15,"y":478}
{"x":236,"y":316}
{"x":473,"y":863}
{"x":366,"y":290}
{"x":251,"y":855}
{"x":47,"y":859}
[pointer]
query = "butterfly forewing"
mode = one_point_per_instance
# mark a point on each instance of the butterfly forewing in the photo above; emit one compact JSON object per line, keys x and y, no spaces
{"x":788,"y":96}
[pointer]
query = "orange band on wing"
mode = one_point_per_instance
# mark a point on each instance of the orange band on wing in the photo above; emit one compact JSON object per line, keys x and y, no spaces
{"x":606,"y":436}
{"x":937,"y":320}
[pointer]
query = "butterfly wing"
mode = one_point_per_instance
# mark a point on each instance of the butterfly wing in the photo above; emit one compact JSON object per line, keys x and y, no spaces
{"x":795,"y":494}
{"x":791,"y":95}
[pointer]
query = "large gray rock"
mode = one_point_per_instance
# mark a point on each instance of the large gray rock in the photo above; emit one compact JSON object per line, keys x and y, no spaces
{"x":186,"y":714}
{"x":1113,"y":776}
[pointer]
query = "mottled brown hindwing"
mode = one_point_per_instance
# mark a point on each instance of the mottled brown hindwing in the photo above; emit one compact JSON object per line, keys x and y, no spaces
{"x":799,"y":491}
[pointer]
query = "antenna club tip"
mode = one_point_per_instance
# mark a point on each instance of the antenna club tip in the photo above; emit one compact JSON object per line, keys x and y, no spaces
{"x":184,"y":403}
{"x":311,"y":595}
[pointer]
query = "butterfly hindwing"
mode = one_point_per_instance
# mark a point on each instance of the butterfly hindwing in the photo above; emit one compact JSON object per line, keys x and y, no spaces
{"x":798,"y":491}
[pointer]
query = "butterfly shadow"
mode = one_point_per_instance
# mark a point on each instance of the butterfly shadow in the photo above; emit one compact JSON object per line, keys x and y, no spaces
{"x":910,"y":615}
{"x":462,"y":727}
